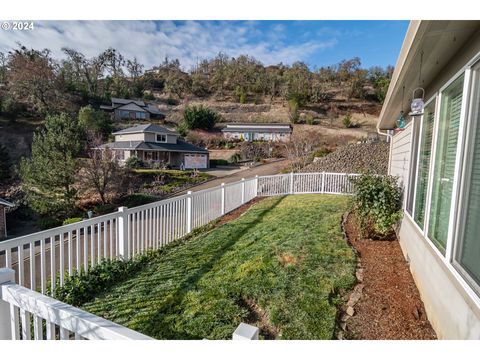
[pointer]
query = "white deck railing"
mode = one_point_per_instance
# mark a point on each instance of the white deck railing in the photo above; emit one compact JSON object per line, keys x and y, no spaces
{"x":27,"y":314}
{"x":39,"y":259}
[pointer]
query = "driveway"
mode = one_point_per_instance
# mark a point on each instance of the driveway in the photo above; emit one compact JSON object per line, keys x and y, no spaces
{"x":271,"y":168}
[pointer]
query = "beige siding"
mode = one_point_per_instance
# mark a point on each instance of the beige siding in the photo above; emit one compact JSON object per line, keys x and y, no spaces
{"x":400,"y":155}
{"x":172,"y":139}
{"x":130,"y":137}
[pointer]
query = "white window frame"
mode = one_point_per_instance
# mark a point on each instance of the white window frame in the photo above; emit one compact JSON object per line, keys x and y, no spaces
{"x":414,"y":179}
{"x":469,"y":139}
{"x":164,"y":135}
{"x":448,"y":259}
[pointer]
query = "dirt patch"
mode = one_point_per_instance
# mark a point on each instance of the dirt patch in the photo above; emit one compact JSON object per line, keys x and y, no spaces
{"x":386,"y":303}
{"x":232,"y":215}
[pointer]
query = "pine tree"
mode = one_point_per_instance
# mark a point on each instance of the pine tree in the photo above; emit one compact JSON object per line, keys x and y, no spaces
{"x":49,"y":175}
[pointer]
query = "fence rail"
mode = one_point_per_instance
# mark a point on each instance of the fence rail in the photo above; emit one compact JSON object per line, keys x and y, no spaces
{"x":41,"y":258}
{"x":27,"y":314}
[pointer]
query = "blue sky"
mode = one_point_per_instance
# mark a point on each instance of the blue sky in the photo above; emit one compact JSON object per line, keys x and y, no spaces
{"x":317,"y":43}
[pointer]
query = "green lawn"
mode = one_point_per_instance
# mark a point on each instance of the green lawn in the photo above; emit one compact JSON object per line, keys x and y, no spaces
{"x":282,"y":264}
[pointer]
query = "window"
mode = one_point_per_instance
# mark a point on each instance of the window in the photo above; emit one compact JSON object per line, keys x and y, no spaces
{"x":124,"y":114}
{"x":161,"y":138}
{"x":468,"y":248}
{"x":425,"y":153}
{"x":140,"y":115}
{"x":445,"y":159}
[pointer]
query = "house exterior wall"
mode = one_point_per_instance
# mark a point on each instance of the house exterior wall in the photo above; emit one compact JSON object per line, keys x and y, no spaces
{"x":452,"y":307}
{"x":266,"y":136}
{"x":117,"y":115}
{"x":152,"y":137}
{"x":131,"y":137}
{"x":3,"y":223}
{"x":401,"y":154}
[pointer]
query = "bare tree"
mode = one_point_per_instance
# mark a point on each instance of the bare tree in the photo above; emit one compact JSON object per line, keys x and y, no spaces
{"x":300,"y":148}
{"x":101,"y":172}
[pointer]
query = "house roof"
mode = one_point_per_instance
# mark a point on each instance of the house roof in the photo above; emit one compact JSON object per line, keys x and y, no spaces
{"x":145,"y":128}
{"x":131,"y":105}
{"x":5,"y":203}
{"x":127,"y":101}
{"x":279,"y":128}
{"x":180,"y":146}
{"x":429,"y":43}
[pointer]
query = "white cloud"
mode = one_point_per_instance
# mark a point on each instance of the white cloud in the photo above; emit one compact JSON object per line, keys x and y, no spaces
{"x":152,"y":41}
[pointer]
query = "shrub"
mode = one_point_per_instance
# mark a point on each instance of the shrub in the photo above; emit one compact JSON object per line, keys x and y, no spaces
{"x":148,"y":96}
{"x":79,"y":288}
{"x":321,"y":152}
{"x":134,"y":162}
{"x":72,"y":220}
{"x":104,"y":209}
{"x":218,"y":162}
{"x":199,"y":117}
{"x":138,"y":199}
{"x":377,"y":202}
{"x":347,"y":121}
{"x":235,"y":158}
{"x":46,"y":223}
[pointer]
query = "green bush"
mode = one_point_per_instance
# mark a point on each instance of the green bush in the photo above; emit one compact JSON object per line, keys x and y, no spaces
{"x":199,"y":117}
{"x":104,"y":209}
{"x":79,"y":288}
{"x":377,"y":202}
{"x":137,"y":200}
{"x":218,"y":162}
{"x":235,"y":158}
{"x":134,"y":162}
{"x":46,"y":223}
{"x":321,"y":152}
{"x":72,"y":220}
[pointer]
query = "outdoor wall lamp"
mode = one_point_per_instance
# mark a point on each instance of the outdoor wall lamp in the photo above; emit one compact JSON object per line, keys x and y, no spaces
{"x":417,"y":103}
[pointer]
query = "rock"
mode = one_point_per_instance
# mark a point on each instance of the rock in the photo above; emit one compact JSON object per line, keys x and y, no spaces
{"x":343,"y":325}
{"x":359,"y":275}
{"x":416,"y":313}
{"x":354,"y":297}
{"x":350,"y":311}
{"x":354,"y":158}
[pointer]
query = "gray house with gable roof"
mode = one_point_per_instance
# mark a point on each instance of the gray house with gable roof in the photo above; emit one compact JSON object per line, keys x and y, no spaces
{"x":126,"y":109}
{"x":155,"y":144}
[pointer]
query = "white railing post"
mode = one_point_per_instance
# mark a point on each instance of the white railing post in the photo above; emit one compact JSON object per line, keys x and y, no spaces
{"x":123,"y":233}
{"x":243,"y":191}
{"x":246,"y":332}
{"x":291,"y":182}
{"x":256,"y":185}
{"x":189,"y":211}
{"x":323,"y":182}
{"x":223,"y":199}
{"x":6,"y":276}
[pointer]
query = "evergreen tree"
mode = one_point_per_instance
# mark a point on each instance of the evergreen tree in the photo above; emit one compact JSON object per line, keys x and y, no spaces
{"x":48,"y":177}
{"x":5,"y":163}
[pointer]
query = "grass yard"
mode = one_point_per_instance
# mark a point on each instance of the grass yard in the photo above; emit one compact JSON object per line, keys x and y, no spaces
{"x":282,"y":265}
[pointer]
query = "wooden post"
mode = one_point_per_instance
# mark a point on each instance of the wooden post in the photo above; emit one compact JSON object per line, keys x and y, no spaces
{"x":123,"y":233}
{"x":323,"y":182}
{"x":6,"y":276}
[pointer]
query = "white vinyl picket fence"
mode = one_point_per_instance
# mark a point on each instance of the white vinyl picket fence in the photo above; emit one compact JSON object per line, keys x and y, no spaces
{"x":38,"y":259}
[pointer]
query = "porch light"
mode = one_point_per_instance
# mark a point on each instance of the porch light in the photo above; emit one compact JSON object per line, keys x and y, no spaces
{"x":417,"y":103}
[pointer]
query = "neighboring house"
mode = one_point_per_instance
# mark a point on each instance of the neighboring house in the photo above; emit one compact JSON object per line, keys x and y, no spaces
{"x":437,"y":158}
{"x":125,"y":109}
{"x":3,"y":219}
{"x":156,"y":144}
{"x":254,"y":132}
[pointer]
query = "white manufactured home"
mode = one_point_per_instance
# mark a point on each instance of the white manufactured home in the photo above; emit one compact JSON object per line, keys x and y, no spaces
{"x":258,"y":132}
{"x":437,"y":158}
